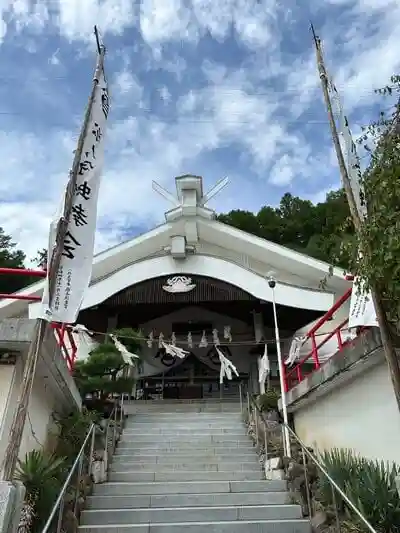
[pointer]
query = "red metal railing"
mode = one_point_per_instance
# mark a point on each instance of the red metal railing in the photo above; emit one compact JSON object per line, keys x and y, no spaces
{"x":61,"y":331}
{"x":311,"y":362}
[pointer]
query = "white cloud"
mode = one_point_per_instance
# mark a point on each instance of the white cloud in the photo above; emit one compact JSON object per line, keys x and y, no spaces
{"x":260,"y":110}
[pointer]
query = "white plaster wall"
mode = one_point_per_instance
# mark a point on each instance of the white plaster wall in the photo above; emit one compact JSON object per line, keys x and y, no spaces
{"x":6,"y":379}
{"x":361,"y":414}
{"x":40,"y":411}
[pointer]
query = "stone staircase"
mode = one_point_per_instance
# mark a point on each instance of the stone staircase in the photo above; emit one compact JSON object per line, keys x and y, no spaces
{"x":189,"y":467}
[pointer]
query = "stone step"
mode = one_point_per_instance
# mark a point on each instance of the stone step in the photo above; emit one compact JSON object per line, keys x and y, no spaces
{"x":161,"y":460}
{"x":185,"y":467}
{"x":232,"y":409}
{"x":196,"y":418}
{"x":265,"y":526}
{"x":186,"y":441}
{"x":188,"y":500}
{"x":149,"y":477}
{"x":136,"y":422}
{"x":168,"y":458}
{"x":207,"y":438}
{"x":143,"y":416}
{"x":189,"y":436}
{"x":186,"y":431}
{"x":162,"y":449}
{"x":189,"y":514}
{"x":188,"y":487}
{"x":207,"y":408}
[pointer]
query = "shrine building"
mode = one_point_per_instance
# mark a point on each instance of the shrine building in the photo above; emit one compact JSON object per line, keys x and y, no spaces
{"x":200,"y":282}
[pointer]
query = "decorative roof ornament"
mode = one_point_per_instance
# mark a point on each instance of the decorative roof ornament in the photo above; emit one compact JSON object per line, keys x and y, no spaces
{"x":179,"y":284}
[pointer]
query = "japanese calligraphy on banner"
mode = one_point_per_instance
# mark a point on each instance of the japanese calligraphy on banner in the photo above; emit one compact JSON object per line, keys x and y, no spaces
{"x":362,"y":310}
{"x":75,"y":269}
{"x":352,"y":160}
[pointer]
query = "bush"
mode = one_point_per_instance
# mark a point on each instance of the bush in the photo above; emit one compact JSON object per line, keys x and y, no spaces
{"x":73,"y":428}
{"x":268,"y":401}
{"x":43,"y":475}
{"x":370,"y":486}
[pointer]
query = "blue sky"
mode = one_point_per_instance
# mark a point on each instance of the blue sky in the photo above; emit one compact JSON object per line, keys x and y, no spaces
{"x":215,"y":88}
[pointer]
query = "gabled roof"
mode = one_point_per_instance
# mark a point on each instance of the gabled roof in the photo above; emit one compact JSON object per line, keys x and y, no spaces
{"x":208,"y":237}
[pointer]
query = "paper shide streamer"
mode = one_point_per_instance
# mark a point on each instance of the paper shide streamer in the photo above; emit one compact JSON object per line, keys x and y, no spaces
{"x":227,"y":367}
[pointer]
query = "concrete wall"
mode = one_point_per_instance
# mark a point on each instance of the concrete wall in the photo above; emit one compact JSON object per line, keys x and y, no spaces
{"x":42,"y":404}
{"x":53,"y":388}
{"x":349,"y":403}
{"x":6,"y":378}
{"x":362,"y":415}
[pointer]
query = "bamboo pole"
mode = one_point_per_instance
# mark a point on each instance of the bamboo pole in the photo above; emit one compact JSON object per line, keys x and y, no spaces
{"x":41,"y":327}
{"x":387,"y":341}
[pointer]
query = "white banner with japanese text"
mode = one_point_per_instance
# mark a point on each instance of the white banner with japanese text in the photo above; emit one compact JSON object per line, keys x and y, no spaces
{"x":362,"y":309}
{"x":74,"y":273}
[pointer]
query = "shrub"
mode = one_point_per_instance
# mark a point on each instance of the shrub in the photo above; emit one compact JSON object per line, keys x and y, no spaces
{"x":268,"y":401}
{"x":370,"y":486}
{"x":43,"y":475}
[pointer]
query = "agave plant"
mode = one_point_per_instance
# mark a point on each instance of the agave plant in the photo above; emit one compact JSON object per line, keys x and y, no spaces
{"x":374,"y":493}
{"x":370,"y":486}
{"x":42,"y":475}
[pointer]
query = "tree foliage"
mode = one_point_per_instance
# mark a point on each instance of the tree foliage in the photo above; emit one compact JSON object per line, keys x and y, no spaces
{"x":11,"y":257}
{"x":379,"y":238}
{"x":101,"y":374}
{"x":315,"y":230}
{"x":41,"y":258}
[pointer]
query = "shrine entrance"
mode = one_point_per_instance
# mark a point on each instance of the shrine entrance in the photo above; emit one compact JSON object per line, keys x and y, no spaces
{"x":190,"y":380}
{"x":204,"y":317}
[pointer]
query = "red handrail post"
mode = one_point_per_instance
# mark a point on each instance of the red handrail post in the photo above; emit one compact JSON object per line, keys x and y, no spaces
{"x":315,"y":352}
{"x":339,"y":339}
{"x":285,"y":377}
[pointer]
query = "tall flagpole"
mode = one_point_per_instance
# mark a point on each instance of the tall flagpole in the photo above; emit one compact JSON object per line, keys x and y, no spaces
{"x":41,"y":327}
{"x":387,"y":341}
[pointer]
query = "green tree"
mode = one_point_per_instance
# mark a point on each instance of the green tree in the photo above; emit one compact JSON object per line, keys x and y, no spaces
{"x":101,"y":374}
{"x":11,"y":257}
{"x":41,"y":258}
{"x":315,"y":230}
{"x":379,"y":238}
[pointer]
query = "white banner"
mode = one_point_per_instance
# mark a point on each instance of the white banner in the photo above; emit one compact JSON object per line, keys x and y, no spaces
{"x":75,"y":269}
{"x":362,"y":310}
{"x":352,"y":160}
